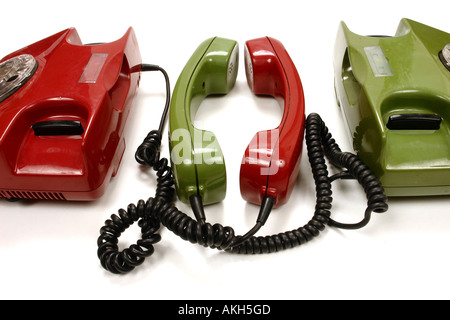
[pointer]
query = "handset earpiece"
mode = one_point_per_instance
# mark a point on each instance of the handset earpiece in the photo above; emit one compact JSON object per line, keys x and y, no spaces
{"x":197,"y":160}
{"x":271,"y":161}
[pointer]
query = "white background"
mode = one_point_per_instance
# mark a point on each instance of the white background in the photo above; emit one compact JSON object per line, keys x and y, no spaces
{"x":48,"y":249}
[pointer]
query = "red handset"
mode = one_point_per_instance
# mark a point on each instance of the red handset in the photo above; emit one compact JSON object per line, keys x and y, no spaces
{"x":271,"y":161}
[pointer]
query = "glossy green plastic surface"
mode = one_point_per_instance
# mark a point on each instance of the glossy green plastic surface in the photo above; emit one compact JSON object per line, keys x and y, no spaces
{"x":197,"y":161}
{"x":377,"y":77}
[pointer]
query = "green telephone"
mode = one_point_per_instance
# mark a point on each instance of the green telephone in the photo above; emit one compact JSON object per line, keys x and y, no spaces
{"x":394,"y":93}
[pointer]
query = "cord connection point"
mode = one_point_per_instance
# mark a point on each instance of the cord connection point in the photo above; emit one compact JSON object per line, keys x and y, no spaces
{"x":265,"y":210}
{"x":197,"y":208}
{"x":150,"y":67}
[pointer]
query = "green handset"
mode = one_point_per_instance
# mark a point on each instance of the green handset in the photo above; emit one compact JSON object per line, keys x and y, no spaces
{"x":212,"y":69}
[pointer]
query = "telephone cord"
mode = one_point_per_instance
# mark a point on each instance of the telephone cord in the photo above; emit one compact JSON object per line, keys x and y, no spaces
{"x":160,"y":209}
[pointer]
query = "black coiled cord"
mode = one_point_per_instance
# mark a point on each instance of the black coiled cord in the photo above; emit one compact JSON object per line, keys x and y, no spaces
{"x":160,"y":209}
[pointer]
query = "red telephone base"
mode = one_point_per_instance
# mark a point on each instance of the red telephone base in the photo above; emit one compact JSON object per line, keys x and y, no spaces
{"x":61,"y":127}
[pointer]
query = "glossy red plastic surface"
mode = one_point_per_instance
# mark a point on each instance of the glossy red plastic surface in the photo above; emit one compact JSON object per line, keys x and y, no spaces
{"x":91,"y":84}
{"x":271,"y":161}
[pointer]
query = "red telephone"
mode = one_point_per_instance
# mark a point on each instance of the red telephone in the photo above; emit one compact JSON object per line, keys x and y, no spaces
{"x":63,"y":108}
{"x":271,"y":161}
